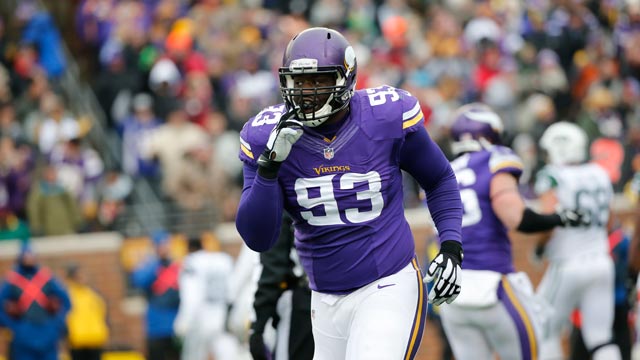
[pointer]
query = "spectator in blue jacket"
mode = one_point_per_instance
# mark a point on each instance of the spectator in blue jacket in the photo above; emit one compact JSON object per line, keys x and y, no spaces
{"x":33,"y":305}
{"x":158,"y":278}
{"x":41,"y":32}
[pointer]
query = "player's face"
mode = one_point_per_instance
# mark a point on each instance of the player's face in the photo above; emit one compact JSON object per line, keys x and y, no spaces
{"x":315,"y":90}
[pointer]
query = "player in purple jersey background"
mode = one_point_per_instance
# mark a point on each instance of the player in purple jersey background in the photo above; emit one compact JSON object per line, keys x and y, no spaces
{"x":332,"y":157}
{"x":494,"y":313}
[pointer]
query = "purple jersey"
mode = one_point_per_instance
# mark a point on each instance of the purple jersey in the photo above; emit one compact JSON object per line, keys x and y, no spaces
{"x":345,"y":193}
{"x":486,"y":241}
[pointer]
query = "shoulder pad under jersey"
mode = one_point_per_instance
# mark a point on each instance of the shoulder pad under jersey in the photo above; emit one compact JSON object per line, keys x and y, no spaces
{"x":386,"y":112}
{"x":503,"y":159}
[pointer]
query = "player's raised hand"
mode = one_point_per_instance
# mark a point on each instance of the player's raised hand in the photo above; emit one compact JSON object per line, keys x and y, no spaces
{"x":283,"y":136}
{"x":574,"y":217}
{"x":445,"y":271}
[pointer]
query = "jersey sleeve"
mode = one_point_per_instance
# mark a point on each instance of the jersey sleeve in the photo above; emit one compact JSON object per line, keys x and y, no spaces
{"x":545,"y":181}
{"x":504,"y":160}
{"x":412,"y":116}
{"x":255,"y":133}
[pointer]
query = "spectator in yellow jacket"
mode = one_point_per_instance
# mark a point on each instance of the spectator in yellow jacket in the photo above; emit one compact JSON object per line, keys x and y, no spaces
{"x":87,"y":320}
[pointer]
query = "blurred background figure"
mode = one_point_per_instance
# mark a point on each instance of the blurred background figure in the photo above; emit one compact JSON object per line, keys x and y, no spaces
{"x":17,"y":161}
{"x":79,"y":169}
{"x":34,"y":305}
{"x":244,"y":282}
{"x":169,"y":143}
{"x":113,"y":194}
{"x":134,"y":131}
{"x":283,"y":302}
{"x":57,"y":124}
{"x":581,"y":272}
{"x":158,"y":278}
{"x":12,"y":227}
{"x":52,"y":209}
{"x":204,"y":282}
{"x":619,"y":246}
{"x":88,"y":331}
{"x":40,"y":32}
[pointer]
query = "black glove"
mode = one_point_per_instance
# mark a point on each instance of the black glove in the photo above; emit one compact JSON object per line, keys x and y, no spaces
{"x":574,"y":218}
{"x":283,"y":136}
{"x":445,"y":270}
{"x":257,"y":348}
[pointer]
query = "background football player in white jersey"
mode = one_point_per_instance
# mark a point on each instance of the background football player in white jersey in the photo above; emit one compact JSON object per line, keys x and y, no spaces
{"x":204,"y":281}
{"x":495,"y":312}
{"x":242,"y":287}
{"x":581,"y":272}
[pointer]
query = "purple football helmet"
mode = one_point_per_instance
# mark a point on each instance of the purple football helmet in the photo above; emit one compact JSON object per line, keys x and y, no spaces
{"x":475,"y":127}
{"x":318,"y":51}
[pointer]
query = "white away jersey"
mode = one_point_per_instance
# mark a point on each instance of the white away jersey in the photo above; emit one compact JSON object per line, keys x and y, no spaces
{"x":588,"y":188}
{"x":205,"y":275}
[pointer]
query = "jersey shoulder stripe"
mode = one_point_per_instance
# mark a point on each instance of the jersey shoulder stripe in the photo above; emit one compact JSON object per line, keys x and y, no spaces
{"x":255,"y":132}
{"x":412,"y":117}
{"x":503,"y":159}
{"x":386,"y":112}
{"x":245,"y":147}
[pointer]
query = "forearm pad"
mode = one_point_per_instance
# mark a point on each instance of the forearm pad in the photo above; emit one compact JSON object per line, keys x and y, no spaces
{"x":534,"y":222}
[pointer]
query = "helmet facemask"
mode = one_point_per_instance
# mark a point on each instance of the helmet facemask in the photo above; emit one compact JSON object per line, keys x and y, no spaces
{"x":316,"y":104}
{"x":468,"y":143}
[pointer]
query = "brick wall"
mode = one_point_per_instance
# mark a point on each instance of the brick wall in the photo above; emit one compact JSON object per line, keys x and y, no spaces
{"x":102,"y":256}
{"x":99,"y":256}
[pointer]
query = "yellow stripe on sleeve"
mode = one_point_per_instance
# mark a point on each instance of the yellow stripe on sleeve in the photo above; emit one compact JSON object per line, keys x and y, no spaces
{"x":505,"y":164}
{"x":411,"y":122}
{"x":246,"y":151}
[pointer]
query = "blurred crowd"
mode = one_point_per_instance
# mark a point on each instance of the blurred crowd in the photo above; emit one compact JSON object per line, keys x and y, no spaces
{"x":535,"y":62}
{"x":177,"y":79}
{"x":54,"y":182}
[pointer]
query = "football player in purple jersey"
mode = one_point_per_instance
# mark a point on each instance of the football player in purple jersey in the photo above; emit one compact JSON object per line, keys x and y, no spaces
{"x":494,"y":313}
{"x":332,"y":157}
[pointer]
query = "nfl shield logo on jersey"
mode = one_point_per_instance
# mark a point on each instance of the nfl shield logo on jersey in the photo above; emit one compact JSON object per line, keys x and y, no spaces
{"x":328,"y":153}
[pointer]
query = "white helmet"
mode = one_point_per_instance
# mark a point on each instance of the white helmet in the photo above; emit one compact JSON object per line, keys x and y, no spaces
{"x":565,"y":143}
